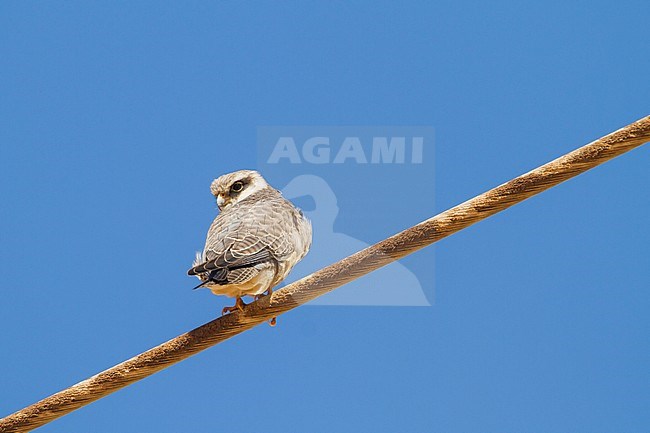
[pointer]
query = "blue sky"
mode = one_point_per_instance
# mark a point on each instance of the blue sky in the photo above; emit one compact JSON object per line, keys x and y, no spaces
{"x":116,"y":117}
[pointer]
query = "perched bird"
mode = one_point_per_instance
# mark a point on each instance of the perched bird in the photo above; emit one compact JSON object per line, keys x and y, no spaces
{"x":255,"y":240}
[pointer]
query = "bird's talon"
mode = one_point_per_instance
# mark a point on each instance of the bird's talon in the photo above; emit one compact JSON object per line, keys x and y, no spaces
{"x":239,"y":305}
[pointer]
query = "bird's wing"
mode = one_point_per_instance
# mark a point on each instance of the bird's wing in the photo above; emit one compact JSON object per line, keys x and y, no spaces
{"x":248,"y":234}
{"x":230,"y":261}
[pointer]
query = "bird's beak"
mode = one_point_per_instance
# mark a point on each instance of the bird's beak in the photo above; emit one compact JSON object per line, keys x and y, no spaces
{"x":220,"y":201}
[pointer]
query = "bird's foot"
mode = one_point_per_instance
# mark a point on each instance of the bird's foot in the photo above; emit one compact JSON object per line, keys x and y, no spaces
{"x":239,"y":305}
{"x":263,"y":294}
{"x":272,"y":321}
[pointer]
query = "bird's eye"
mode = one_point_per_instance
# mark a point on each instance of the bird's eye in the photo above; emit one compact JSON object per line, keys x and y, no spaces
{"x":237,"y":187}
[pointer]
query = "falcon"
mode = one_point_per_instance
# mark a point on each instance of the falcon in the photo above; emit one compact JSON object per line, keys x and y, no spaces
{"x":254,"y":242}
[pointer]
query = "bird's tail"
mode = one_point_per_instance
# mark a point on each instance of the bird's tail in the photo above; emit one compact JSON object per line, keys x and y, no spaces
{"x":200,"y":285}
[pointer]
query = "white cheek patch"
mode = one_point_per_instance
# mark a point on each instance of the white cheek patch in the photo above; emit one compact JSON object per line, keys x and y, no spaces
{"x":246,"y":192}
{"x":252,"y":188}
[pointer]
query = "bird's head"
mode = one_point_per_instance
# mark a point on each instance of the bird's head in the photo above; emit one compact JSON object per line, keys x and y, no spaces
{"x":234,"y":187}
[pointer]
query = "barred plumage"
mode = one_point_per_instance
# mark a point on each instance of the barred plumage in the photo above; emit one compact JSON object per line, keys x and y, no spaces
{"x":254,"y":242}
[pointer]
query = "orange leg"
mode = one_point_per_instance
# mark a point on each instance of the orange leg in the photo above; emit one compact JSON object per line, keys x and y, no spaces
{"x":273,"y":320}
{"x":239,"y":305}
{"x":268,"y":292}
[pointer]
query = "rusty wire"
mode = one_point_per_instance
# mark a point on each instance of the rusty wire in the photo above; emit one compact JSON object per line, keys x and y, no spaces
{"x":329,"y":278}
